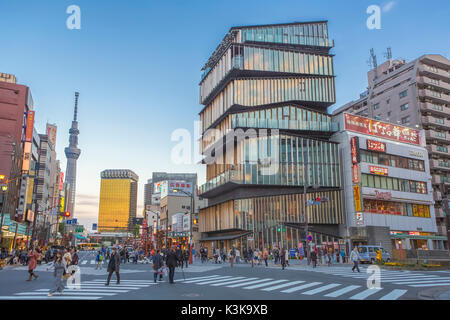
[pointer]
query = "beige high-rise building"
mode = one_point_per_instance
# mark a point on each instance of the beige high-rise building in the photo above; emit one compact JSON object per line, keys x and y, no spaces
{"x":415,"y":94}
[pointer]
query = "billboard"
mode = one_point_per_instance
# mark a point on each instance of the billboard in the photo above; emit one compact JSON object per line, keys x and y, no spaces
{"x":357,"y":198}
{"x":30,"y":125}
{"x":184,"y":189}
{"x":354,"y":146}
{"x":355,"y":173}
{"x":26,"y":156}
{"x":61,"y":181}
{"x":51,"y":133}
{"x":376,"y":146}
{"x":378,"y":170}
{"x":381,"y":129}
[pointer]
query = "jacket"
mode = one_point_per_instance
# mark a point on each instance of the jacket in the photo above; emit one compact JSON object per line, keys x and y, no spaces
{"x":171,"y":259}
{"x":354,"y":255}
{"x":157,"y":262}
{"x":114,"y":263}
{"x":32,"y":260}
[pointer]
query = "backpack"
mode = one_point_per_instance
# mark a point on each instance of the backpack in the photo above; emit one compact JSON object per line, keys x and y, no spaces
{"x":101,"y":257}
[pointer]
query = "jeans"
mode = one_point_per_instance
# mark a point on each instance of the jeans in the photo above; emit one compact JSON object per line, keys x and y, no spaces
{"x":355,"y":265}
{"x":110,"y":275}
{"x":171,"y":274}
{"x":155,"y":275}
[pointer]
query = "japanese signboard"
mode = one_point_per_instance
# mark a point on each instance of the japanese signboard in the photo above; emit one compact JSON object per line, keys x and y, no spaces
{"x":51,"y":133}
{"x":359,"y":218}
{"x":381,"y":129}
{"x":30,"y":124}
{"x":61,"y":181}
{"x":355,"y":173}
{"x":376,"y":145}
{"x":383,"y":195}
{"x":378,"y":170}
{"x":354,"y":145}
{"x":357,"y":198}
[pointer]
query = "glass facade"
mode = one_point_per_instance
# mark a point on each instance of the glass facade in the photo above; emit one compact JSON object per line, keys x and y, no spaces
{"x":392,"y":160}
{"x":394,"y":184}
{"x":396,"y":208}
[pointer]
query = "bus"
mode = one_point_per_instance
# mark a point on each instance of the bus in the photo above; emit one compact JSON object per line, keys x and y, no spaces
{"x":90,"y":246}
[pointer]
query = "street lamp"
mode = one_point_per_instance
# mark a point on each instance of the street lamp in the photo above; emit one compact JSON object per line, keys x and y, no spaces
{"x":191,"y":194}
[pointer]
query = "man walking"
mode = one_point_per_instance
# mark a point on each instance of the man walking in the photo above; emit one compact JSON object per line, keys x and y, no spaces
{"x":113,"y":266}
{"x":157,"y":266}
{"x":232,"y":256}
{"x":74,"y":256}
{"x":354,"y":256}
{"x":99,"y":260}
{"x":171,"y":263}
{"x":314,"y":258}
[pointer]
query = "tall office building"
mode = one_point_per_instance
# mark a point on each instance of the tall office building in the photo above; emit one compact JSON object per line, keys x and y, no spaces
{"x":72,"y":154}
{"x":118,"y":200}
{"x":415,"y":94}
{"x":266,"y":132}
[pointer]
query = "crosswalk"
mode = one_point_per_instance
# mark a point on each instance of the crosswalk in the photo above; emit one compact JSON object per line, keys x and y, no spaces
{"x":299,"y":287}
{"x":88,"y":290}
{"x":397,"y":277}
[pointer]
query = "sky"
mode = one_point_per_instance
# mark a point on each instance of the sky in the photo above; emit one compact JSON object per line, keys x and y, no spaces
{"x":137,"y":65}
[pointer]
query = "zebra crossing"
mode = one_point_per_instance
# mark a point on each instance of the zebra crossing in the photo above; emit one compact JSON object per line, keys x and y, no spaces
{"x":87,"y":290}
{"x":397,"y":277}
{"x":298,"y":287}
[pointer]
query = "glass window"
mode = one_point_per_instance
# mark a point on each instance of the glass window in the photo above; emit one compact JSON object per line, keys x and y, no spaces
{"x":377,"y":181}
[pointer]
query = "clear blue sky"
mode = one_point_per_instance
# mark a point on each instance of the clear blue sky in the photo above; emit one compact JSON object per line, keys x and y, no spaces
{"x":137,"y":66}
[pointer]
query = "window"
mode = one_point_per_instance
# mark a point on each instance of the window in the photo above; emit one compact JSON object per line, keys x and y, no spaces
{"x":439,"y":120}
{"x":405,"y":120}
{"x":388,"y":101}
{"x":389,"y":113}
{"x":404,"y":107}
{"x":376,"y":106}
{"x":403,"y":94}
{"x":442,"y":149}
{"x":378,"y":117}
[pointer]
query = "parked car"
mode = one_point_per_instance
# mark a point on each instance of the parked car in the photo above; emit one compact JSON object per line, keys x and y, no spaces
{"x":368,"y":254}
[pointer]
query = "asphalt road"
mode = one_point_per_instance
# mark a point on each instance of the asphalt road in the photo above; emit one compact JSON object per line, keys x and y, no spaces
{"x":221,"y":282}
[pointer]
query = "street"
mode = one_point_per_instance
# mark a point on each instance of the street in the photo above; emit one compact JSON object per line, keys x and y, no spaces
{"x":221,"y":282}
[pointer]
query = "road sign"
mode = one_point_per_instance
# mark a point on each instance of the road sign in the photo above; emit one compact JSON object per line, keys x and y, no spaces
{"x":94,"y":226}
{"x":68,"y":221}
{"x":309,"y":238}
{"x":74,"y":221}
{"x":292,"y":253}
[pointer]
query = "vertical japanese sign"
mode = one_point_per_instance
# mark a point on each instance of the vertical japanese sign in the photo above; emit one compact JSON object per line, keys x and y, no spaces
{"x":354,"y":145}
{"x":30,"y":125}
{"x":355,"y":173}
{"x":357,"y":198}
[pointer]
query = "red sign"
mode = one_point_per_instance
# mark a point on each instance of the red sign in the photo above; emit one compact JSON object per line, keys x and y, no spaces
{"x":61,"y":180}
{"x":354,"y":145}
{"x":381,"y":129}
{"x":30,"y":124}
{"x":378,"y":170}
{"x":383,"y":195}
{"x":355,"y":173}
{"x":376,"y":146}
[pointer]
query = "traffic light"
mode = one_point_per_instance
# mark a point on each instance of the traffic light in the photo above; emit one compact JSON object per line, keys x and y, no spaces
{"x":195,"y":221}
{"x":67,"y":214}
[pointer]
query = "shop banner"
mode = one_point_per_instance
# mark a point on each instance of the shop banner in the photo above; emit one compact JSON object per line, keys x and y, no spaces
{"x":357,"y":198}
{"x":376,"y":146}
{"x":355,"y":173}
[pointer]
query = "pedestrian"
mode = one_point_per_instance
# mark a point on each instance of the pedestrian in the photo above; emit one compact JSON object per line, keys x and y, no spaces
{"x":186,"y":257}
{"x":250,"y":255}
{"x":329,"y":257}
{"x":314,"y":258}
{"x":74,"y":256}
{"x":59,"y":269}
{"x":67,"y":257}
{"x":238,"y":256}
{"x":343,"y":255}
{"x":99,"y":260}
{"x":157,"y":265}
{"x":283,"y":258}
{"x":287,"y":258}
{"x":232,"y":255}
{"x":245,"y":253}
{"x":171,"y":263}
{"x":33,"y":255}
{"x":179,"y":255}
{"x":265,"y":256}
{"x":114,"y":266}
{"x":354,"y":256}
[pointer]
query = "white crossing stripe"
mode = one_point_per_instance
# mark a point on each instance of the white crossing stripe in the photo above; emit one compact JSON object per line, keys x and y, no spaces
{"x":282,"y":285}
{"x":432,"y":279}
{"x":321,"y":289}
{"x":394,"y":295}
{"x":90,"y":290}
{"x":264,"y":284}
{"x":342,"y":291}
{"x":46,"y":297}
{"x":230,"y":282}
{"x":84,"y":262}
{"x":423,"y":281}
{"x":65,"y":293}
{"x":312,"y":284}
{"x":92,"y":261}
{"x":429,"y":285}
{"x":103,"y":287}
{"x":207,"y":277}
{"x":202,"y":280}
{"x":250,"y":282}
{"x":217,"y":280}
{"x":366,"y":293}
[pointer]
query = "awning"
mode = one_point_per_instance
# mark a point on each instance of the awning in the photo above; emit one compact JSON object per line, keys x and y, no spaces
{"x":228,"y":237}
{"x":403,"y":236}
{"x":80,"y":237}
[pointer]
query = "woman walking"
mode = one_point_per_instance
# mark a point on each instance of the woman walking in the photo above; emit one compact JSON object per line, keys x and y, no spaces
{"x":157,"y":265}
{"x":283,"y":259}
{"x":59,"y":266}
{"x":266,"y":256}
{"x":287,"y":257}
{"x":32,"y":262}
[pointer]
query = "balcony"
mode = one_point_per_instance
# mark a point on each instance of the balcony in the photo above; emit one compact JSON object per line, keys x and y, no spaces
{"x":440,"y":110}
{"x":440,"y":85}
{"x":435,"y":96}
{"x":436,"y":164}
{"x":285,"y":124}
{"x":432,"y":148}
{"x":231,"y":176}
{"x":432,"y":135}
{"x":433,"y":72}
{"x":442,"y":123}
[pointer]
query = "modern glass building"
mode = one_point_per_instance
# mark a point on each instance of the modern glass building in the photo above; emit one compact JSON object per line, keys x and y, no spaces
{"x":266,"y":136}
{"x":118,"y":200}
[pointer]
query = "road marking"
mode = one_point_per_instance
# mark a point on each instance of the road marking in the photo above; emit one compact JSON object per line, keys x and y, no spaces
{"x":423,"y":282}
{"x":92,"y":261}
{"x":230,"y":282}
{"x":246,"y":283}
{"x":203,"y":280}
{"x":366,"y":293}
{"x":46,"y":297}
{"x":408,"y":281}
{"x":65,"y":293}
{"x":342,"y":291}
{"x":89,"y":289}
{"x":207,"y":277}
{"x":84,"y":262}
{"x":120,"y":284}
{"x":100,"y":287}
{"x":124,"y":282}
{"x":221,"y":280}
{"x":321,"y":289}
{"x":282,"y":286}
{"x":264,"y":284}
{"x":429,"y":285}
{"x":312,"y":284}
{"x":394,"y":294}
